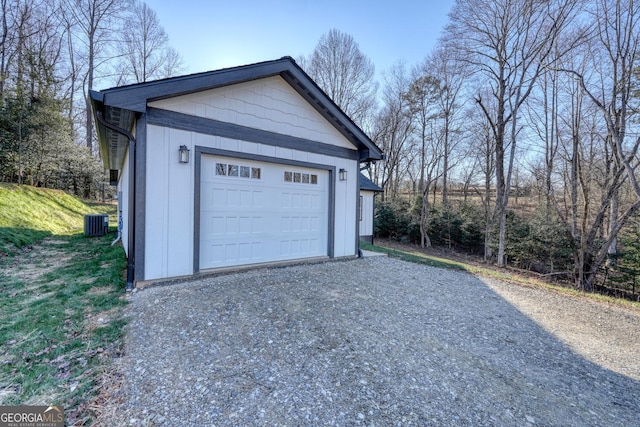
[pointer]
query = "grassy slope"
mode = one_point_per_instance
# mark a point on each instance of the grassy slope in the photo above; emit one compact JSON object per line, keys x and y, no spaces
{"x":29,"y":214}
{"x":60,"y":301}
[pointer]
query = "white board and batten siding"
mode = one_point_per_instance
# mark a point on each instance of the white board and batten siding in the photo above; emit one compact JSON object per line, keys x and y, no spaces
{"x":123,"y":188}
{"x":366,"y":213}
{"x":169,"y":211}
{"x":268,"y":104}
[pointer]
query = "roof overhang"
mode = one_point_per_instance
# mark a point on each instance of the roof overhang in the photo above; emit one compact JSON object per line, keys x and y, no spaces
{"x":113,"y":145}
{"x":120,"y":105}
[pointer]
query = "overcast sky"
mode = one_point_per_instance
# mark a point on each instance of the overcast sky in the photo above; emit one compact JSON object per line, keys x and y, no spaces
{"x":216,"y":34}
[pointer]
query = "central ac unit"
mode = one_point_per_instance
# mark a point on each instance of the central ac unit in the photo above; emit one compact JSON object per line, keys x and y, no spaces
{"x":96,"y":225}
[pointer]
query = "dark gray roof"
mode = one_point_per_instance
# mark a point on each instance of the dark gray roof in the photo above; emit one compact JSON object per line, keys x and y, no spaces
{"x":367,"y":185}
{"x":121,"y":105}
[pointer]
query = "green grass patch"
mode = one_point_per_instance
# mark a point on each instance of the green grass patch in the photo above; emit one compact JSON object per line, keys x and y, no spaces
{"x":59,"y":327}
{"x":29,"y":214}
{"x":416,"y":257}
{"x":61,"y":302}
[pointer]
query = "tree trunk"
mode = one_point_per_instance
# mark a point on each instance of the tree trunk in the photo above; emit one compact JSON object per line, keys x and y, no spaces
{"x":89,"y":118}
{"x":445,"y":161}
{"x":3,"y":49}
{"x":425,"y":241}
{"x":487,"y":201}
{"x":612,"y":251}
{"x":505,"y":196}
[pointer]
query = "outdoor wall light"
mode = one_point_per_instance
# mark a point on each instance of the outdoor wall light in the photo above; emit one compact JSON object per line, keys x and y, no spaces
{"x":184,"y":154}
{"x":342,"y":174}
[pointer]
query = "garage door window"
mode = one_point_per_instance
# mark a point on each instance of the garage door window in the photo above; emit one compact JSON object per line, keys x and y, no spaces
{"x":301,"y":178}
{"x":237,"y":171}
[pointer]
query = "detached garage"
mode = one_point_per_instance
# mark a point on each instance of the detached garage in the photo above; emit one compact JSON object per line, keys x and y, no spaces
{"x":236,"y":167}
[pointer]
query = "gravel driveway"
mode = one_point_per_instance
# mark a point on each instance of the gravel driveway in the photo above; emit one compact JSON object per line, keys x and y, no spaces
{"x":378,"y":342}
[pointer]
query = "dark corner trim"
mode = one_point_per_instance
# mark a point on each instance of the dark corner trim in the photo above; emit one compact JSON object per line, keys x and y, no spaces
{"x":140,"y":196}
{"x":196,"y":209}
{"x":357,"y":215}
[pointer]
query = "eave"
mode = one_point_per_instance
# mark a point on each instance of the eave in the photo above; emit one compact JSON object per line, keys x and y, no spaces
{"x":113,"y":145}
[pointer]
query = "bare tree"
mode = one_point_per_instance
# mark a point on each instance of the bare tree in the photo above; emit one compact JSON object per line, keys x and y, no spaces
{"x":94,"y":22}
{"x":574,"y":148}
{"x":393,"y":131}
{"x":613,"y":52}
{"x":422,"y":95}
{"x":433,"y":170}
{"x":5,"y":43}
{"x":483,"y":147}
{"x":145,"y":50}
{"x":452,"y":74}
{"x":345,"y":73}
{"x":507,"y":42}
{"x":73,"y":78}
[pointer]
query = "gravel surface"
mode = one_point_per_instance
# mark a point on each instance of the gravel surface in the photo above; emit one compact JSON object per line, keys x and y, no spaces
{"x":375,"y":342}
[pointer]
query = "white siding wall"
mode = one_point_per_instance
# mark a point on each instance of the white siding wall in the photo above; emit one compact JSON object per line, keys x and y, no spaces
{"x":169,"y":224}
{"x":366,"y":224}
{"x":268,"y":104}
{"x":123,"y":187}
{"x":169,"y":211}
{"x":345,"y":204}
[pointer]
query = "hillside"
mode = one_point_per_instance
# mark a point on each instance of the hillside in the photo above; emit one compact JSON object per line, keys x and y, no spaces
{"x":29,"y":214}
{"x":61,"y":304}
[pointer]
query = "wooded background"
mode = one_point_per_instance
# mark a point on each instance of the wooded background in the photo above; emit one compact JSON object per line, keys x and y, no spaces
{"x":52,"y":52}
{"x":516,"y":138}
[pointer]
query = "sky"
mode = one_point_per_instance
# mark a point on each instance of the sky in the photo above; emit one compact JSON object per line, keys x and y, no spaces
{"x":216,"y":34}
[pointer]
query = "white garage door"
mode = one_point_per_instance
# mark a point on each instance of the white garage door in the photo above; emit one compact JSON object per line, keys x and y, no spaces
{"x":253,"y":212}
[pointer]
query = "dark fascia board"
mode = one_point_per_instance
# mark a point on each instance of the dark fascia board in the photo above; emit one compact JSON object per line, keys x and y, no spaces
{"x":309,"y":90}
{"x":135,"y":97}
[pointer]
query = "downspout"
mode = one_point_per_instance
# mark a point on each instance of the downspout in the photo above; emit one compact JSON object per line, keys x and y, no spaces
{"x":132,"y":190}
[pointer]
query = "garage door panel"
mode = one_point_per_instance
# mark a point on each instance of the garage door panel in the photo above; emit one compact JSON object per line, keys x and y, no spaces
{"x":248,"y":220}
{"x":302,"y":225}
{"x":226,"y":254}
{"x":299,"y":246}
{"x":246,"y":225}
{"x":218,"y":197}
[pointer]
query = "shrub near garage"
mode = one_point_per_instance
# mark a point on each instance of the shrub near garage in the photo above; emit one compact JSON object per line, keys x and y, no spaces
{"x":459,"y":227}
{"x":391,"y":219}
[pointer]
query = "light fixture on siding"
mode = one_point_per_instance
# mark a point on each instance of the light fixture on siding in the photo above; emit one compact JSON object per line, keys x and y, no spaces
{"x":184,"y":154}
{"x":342,"y":174}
